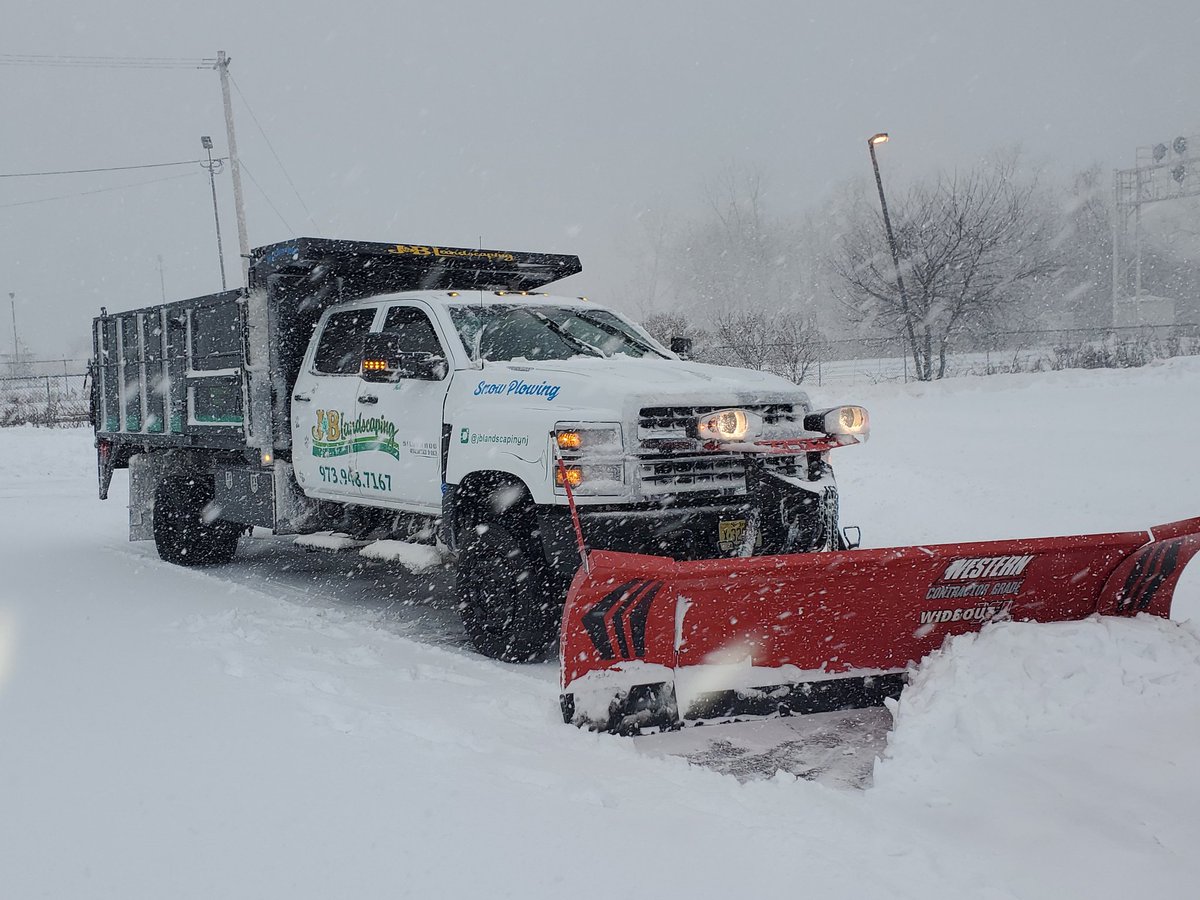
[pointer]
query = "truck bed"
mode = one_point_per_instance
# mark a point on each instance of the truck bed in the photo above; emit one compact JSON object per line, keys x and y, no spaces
{"x":172,"y":375}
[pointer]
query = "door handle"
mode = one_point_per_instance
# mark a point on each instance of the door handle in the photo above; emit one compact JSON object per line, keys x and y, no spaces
{"x":304,"y":398}
{"x":368,"y":398}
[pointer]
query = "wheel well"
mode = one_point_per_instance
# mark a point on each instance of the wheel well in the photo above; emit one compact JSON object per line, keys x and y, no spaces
{"x":489,"y":496}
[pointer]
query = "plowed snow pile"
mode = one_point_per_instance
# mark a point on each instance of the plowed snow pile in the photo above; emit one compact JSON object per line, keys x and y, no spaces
{"x":309,"y":725}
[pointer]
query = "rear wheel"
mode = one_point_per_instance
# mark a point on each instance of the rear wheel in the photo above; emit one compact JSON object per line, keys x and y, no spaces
{"x":509,"y":596}
{"x":187,"y":529}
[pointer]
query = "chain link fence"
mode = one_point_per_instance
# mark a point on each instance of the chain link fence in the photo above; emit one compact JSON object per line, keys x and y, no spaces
{"x":45,"y":392}
{"x":56,"y":391}
{"x":872,"y":360}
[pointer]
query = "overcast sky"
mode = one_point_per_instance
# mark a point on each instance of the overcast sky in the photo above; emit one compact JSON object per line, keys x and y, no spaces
{"x":534,"y":126}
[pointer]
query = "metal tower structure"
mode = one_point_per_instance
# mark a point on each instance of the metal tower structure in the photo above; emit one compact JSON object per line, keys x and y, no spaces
{"x":1162,"y":173}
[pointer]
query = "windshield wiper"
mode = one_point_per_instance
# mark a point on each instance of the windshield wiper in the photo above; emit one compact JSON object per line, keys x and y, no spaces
{"x":566,"y":335}
{"x":617,"y":332}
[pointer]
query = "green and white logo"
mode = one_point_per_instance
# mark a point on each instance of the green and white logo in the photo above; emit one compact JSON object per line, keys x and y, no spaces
{"x":334,"y":435}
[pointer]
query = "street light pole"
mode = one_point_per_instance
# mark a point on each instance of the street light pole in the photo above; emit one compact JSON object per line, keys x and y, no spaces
{"x":12,"y":302}
{"x":882,"y":138}
{"x":206,"y":143}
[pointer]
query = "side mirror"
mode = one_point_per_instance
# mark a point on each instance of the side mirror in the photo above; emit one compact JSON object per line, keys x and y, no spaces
{"x":383,"y":362}
{"x":681,"y":346}
{"x":851,"y":537}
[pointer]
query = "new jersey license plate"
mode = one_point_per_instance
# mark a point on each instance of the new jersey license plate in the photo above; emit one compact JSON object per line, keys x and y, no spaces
{"x":731,"y":533}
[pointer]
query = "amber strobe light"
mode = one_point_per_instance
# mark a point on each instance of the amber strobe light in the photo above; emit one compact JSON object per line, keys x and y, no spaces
{"x":374,"y":365}
{"x":574,"y":475}
{"x":569,"y":440}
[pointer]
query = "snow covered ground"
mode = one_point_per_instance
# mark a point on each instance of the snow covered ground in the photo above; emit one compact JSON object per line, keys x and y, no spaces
{"x":304,"y":725}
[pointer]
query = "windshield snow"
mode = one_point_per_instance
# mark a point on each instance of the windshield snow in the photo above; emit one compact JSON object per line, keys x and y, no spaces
{"x":500,"y":332}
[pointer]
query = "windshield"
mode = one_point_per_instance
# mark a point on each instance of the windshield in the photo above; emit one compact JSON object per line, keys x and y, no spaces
{"x":502,"y":332}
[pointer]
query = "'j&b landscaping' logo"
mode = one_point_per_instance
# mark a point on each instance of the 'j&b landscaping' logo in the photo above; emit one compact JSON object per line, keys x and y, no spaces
{"x":335,"y":435}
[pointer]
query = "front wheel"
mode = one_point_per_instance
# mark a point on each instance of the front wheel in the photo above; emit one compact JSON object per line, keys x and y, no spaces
{"x":187,"y":527}
{"x":509,"y":596}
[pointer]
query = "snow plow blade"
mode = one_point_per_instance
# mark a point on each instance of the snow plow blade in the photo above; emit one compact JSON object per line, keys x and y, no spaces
{"x":648,"y":642}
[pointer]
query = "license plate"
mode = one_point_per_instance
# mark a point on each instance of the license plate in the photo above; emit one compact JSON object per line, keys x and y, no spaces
{"x":731,"y":533}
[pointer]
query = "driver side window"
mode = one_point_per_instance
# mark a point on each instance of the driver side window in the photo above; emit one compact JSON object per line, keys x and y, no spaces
{"x":412,"y":331}
{"x":340,"y":348}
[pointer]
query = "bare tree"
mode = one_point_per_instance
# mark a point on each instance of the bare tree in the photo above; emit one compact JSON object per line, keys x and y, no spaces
{"x":744,"y":338}
{"x":647,"y":249}
{"x":737,"y":255}
{"x":967,"y":243}
{"x":1084,"y":246}
{"x":798,"y":346}
{"x":663,"y":326}
{"x":786,"y":345}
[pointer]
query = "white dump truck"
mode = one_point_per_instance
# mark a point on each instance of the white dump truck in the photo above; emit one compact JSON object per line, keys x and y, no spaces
{"x":435,"y":395}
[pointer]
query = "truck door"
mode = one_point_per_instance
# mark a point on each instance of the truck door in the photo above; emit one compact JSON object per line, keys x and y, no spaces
{"x":406,"y":472}
{"x":324,"y":400}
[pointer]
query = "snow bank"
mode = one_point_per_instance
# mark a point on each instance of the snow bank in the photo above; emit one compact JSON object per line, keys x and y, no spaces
{"x":304,"y":725}
{"x":984,"y":693}
{"x":1053,"y":760}
{"x":1011,"y":456}
{"x":328,"y":540}
{"x":417,"y":558}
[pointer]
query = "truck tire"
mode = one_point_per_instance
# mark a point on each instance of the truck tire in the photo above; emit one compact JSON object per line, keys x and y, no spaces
{"x":185,"y":531}
{"x":509,"y":596}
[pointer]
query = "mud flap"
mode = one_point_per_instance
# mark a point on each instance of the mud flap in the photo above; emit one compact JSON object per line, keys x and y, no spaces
{"x":106,"y":463}
{"x":648,"y":642}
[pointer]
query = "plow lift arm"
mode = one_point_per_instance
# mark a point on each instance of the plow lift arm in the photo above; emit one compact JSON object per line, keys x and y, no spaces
{"x":648,"y":642}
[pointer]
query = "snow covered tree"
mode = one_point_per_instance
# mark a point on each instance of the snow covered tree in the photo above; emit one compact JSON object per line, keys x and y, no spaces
{"x":1084,"y":247}
{"x":785,"y":344}
{"x":967,"y":244}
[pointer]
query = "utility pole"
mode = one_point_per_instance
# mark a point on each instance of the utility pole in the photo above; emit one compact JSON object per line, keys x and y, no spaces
{"x":206,"y":143}
{"x":12,"y":301}
{"x":235,"y":170}
{"x":162,"y":279}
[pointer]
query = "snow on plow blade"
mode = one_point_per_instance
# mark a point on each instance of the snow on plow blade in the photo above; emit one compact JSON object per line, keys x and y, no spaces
{"x":648,"y":642}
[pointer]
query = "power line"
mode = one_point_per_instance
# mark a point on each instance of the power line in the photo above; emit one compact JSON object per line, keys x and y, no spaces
{"x":98,"y":190}
{"x":105,"y":62}
{"x":186,"y":162}
{"x":254,"y":180}
{"x":271,"y":147}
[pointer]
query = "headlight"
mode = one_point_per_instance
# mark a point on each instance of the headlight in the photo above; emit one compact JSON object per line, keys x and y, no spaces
{"x":593,"y":478}
{"x":728,"y":425}
{"x":852,"y":420}
{"x":593,"y":458}
{"x":588,"y":439}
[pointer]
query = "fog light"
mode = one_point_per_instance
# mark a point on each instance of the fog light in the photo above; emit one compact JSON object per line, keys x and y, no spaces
{"x":573,"y":476}
{"x":728,"y":425}
{"x":849,"y":420}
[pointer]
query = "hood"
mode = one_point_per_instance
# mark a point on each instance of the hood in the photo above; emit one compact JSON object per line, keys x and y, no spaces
{"x":623,"y":382}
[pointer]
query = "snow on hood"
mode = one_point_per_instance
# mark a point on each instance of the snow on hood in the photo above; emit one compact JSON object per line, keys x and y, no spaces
{"x":622,"y":381}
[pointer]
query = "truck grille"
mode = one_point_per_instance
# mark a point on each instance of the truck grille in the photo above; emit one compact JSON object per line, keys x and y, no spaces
{"x":724,"y":473}
{"x":657,"y":422}
{"x":661,"y":472}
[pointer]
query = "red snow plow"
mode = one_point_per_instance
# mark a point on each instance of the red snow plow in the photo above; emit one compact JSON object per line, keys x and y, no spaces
{"x":648,"y":642}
